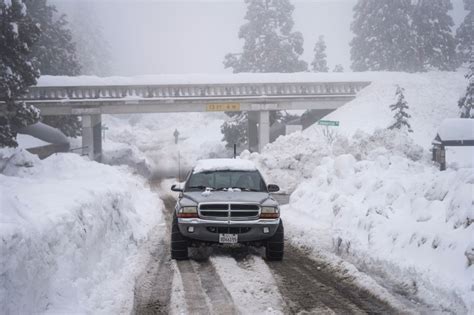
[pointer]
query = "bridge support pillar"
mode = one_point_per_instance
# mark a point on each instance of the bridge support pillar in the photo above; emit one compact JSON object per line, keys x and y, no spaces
{"x":263,"y":129}
{"x":258,"y":130}
{"x":253,"y":120}
{"x":92,"y":136}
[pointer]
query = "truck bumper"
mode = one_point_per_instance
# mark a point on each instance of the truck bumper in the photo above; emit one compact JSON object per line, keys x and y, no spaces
{"x":209,"y":230}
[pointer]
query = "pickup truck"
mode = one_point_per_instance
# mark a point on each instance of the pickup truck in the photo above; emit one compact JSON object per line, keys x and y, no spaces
{"x":226,"y":201}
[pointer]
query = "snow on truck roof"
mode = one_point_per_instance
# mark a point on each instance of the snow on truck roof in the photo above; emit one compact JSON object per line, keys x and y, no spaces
{"x":224,"y":165}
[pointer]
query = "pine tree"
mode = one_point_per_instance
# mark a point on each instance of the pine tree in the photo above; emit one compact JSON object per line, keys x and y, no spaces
{"x":466,"y":103}
{"x":235,"y":130}
{"x":269,"y":43}
{"x":338,"y":68}
{"x":319,"y":63}
{"x":400,"y":107}
{"x":55,"y":50}
{"x":18,"y":70}
{"x":56,"y":54}
{"x":436,"y":45}
{"x":465,"y":34}
{"x":269,"y":46}
{"x":384,"y":39}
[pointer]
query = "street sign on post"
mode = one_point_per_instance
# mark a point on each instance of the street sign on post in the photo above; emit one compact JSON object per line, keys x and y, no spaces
{"x":328,"y":123}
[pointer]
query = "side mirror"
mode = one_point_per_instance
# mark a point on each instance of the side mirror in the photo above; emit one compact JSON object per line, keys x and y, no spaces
{"x":176,"y":188}
{"x":273,"y":188}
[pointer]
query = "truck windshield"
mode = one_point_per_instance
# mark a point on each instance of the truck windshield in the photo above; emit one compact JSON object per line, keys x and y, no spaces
{"x":221,"y":180}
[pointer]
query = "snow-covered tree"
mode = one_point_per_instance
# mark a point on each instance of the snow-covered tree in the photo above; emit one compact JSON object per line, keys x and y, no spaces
{"x":55,"y":49}
{"x":465,"y":33}
{"x":436,"y":46}
{"x":338,"y":68}
{"x":384,"y":38}
{"x":18,"y":69}
{"x":92,"y":48}
{"x":320,"y":63}
{"x":400,"y":107}
{"x":56,"y":54}
{"x":270,"y":45}
{"x":235,"y":130}
{"x":466,"y":103}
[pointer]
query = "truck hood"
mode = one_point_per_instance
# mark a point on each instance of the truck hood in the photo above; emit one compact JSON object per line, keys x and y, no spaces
{"x":225,"y":196}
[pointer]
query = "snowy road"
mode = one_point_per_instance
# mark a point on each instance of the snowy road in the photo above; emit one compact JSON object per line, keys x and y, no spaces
{"x":240,"y":281}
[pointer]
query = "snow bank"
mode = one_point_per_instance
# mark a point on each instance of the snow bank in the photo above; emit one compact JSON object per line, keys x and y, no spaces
{"x":388,"y":212}
{"x":70,"y":229}
{"x":378,"y":201}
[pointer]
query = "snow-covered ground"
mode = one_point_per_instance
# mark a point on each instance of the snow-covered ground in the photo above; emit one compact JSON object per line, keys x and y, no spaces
{"x":70,"y":232}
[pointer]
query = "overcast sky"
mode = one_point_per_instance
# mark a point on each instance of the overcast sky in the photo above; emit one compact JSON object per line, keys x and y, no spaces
{"x":193,"y":36}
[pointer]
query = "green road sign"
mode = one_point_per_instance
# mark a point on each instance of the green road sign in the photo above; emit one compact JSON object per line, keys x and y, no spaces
{"x":328,"y":123}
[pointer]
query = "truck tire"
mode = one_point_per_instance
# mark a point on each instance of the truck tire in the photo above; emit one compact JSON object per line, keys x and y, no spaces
{"x":179,"y":244}
{"x":274,"y":246}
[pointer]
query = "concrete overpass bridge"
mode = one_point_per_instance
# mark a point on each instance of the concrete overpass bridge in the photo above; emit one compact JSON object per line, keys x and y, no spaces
{"x":256,"y":93}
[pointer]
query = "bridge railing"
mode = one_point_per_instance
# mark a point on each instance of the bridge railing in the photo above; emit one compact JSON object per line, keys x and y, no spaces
{"x":193,"y":91}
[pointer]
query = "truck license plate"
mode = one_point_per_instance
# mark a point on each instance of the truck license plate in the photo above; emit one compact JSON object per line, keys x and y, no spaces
{"x":228,"y":238}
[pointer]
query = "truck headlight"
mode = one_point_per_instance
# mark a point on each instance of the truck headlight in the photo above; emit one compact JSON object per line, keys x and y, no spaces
{"x":270,"y":213}
{"x":187,"y":212}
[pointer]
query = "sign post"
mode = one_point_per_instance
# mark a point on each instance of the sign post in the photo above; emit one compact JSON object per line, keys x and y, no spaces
{"x":176,"y":135}
{"x":329,"y":134}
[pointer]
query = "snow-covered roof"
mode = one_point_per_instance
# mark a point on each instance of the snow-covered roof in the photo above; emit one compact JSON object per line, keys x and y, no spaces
{"x":456,"y":129}
{"x":224,"y":165}
{"x":177,"y":79}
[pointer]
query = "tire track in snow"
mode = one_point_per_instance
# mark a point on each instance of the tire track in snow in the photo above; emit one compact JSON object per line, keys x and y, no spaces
{"x":221,"y":301}
{"x":310,"y":286}
{"x":250,"y":283}
{"x":204,"y":292}
{"x":196,"y":300}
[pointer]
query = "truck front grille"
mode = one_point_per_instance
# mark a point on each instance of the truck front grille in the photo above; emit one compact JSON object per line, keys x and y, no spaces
{"x":226,"y":211}
{"x":228,"y":230}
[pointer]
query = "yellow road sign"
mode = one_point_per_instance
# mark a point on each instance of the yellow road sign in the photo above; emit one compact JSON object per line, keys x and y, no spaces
{"x":223,"y":107}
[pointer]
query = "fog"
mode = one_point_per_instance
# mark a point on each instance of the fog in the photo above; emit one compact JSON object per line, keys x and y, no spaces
{"x":156,"y":37}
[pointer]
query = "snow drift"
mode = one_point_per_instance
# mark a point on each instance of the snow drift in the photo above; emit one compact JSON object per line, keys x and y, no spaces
{"x":379,"y":202}
{"x":70,"y":229}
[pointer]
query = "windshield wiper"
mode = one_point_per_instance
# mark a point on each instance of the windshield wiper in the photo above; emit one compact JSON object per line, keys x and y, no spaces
{"x":200,"y":187}
{"x":245,"y":189}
